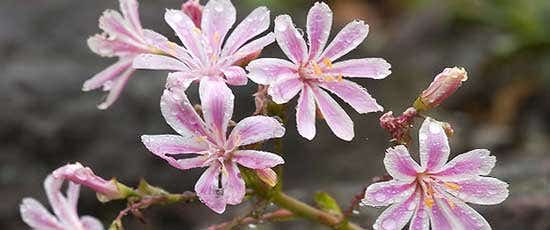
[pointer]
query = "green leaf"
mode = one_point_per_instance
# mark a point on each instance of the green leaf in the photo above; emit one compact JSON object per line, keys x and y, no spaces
{"x":328,"y":204}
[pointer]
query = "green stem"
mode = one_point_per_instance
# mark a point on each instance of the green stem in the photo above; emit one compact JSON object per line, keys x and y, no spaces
{"x":309,"y":212}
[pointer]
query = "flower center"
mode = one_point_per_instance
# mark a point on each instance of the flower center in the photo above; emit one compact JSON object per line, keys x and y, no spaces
{"x":430,"y":185}
{"x":313,"y":71}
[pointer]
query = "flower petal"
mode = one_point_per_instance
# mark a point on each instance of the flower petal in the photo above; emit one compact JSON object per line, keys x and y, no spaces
{"x":61,"y":207}
{"x":400,"y":164}
{"x":130,"y":11}
{"x":267,"y":70}
{"x":104,"y":46}
{"x":434,"y":146}
{"x":158,"y":62}
{"x":115,"y":88}
{"x":190,"y":163}
{"x":118,"y":28}
{"x":388,"y":192}
{"x":178,"y":82}
{"x":189,"y":35}
{"x":257,"y":159}
{"x":173,"y":144}
{"x":319,"y":22}
{"x":218,"y":16}
{"x":305,"y":114}
{"x":337,"y":119}
{"x":460,"y":215}
{"x":420,"y":219}
{"x":73,"y":191}
{"x":290,"y":40}
{"x":254,"y":24}
{"x":354,"y":94}
{"x":235,"y":75}
{"x":398,"y":215}
{"x":471,"y":164}
{"x":108,"y":75}
{"x":250,"y":49}
{"x":439,"y":217}
{"x":481,"y":190}
{"x":255,"y":129}
{"x":161,"y":43}
{"x":181,"y":115}
{"x":91,"y":223}
{"x":208,"y":191}
{"x":217,"y":106}
{"x":346,"y":40}
{"x":285,"y":88}
{"x":233,"y":184}
{"x":375,"y":68}
{"x":36,"y":215}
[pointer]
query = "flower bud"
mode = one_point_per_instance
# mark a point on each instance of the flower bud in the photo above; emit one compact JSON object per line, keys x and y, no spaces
{"x":193,"y":9}
{"x":268,"y":176}
{"x":443,"y":86}
{"x":106,"y":190}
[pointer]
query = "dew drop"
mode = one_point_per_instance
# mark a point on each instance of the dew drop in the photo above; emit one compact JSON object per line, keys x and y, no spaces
{"x":218,"y":8}
{"x":355,"y":212}
{"x":411,"y":206}
{"x":253,"y":226}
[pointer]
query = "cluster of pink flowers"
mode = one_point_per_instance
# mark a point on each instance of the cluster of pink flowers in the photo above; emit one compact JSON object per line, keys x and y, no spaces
{"x":215,"y":58}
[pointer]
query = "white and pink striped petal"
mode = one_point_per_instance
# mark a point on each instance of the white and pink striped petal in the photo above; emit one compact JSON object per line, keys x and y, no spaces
{"x":255,"y":159}
{"x":388,"y":192}
{"x":267,"y":70}
{"x":290,"y":40}
{"x":400,"y":164}
{"x":305,"y":113}
{"x":434,"y":145}
{"x":346,"y":40}
{"x":337,"y":119}
{"x":253,"y":130}
{"x":467,"y":165}
{"x":354,"y":94}
{"x":375,"y":68}
{"x":319,"y":23}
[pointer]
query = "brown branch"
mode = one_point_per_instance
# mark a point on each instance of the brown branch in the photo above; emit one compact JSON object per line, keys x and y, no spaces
{"x":279,"y":215}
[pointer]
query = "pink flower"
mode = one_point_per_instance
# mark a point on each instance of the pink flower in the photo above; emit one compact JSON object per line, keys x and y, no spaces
{"x":205,"y":144}
{"x":203,"y":55}
{"x":435,"y":192}
{"x":311,"y":73}
{"x":76,"y":173}
{"x":64,"y":207}
{"x":124,"y":38}
{"x":443,"y":86}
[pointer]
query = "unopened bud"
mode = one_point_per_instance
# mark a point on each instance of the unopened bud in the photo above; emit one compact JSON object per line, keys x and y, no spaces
{"x":248,"y":58}
{"x":268,"y":176}
{"x":78,"y":174}
{"x":193,"y":9}
{"x":443,"y":86}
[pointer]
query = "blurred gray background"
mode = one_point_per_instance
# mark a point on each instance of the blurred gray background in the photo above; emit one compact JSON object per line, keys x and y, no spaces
{"x":46,"y":121}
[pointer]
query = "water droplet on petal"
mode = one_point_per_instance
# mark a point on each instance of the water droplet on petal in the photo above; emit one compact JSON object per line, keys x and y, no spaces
{"x":281,"y":27}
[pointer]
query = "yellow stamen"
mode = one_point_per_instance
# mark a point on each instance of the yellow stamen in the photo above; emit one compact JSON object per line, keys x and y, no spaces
{"x":452,"y":186}
{"x":340,"y":77}
{"x":200,"y":139}
{"x":327,"y":63}
{"x":172,"y":48}
{"x":429,"y":202}
{"x":329,"y":78}
{"x":316,"y":68}
{"x":214,"y":57}
{"x":451,"y":203}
